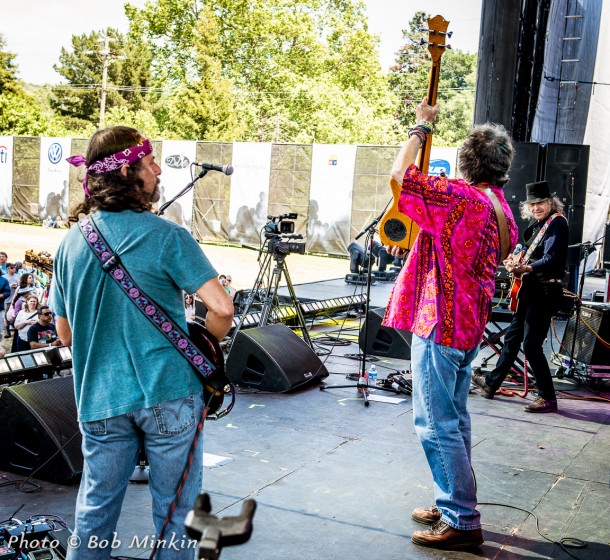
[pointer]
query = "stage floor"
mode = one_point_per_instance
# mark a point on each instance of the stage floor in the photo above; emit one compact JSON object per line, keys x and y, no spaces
{"x":334,"y":479}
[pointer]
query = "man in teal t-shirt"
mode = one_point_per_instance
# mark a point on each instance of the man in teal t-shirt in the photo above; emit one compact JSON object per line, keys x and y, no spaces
{"x":131,"y":385}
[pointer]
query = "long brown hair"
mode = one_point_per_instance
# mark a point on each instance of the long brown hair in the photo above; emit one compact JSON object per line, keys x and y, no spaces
{"x":111,"y":190}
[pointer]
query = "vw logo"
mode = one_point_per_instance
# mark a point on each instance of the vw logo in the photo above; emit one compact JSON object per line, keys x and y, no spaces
{"x":177,"y":161}
{"x":439,"y":166}
{"x":55,"y":152}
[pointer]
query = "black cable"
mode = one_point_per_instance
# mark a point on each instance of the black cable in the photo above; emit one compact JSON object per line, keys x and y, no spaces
{"x":20,"y":484}
{"x":564,"y":543}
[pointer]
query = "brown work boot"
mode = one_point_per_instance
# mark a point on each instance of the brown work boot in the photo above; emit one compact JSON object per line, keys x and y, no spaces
{"x":442,"y":536}
{"x":426,"y":516}
{"x":480,"y":382}
{"x":540,"y":405}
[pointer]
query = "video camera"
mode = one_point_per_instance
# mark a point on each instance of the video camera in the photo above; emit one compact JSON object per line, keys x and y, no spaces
{"x":278,"y":230}
{"x":279,"y":225}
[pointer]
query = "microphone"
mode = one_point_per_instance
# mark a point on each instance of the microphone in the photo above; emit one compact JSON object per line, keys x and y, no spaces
{"x":226,"y":169}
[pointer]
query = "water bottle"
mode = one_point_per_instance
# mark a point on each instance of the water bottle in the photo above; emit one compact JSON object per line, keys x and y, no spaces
{"x":373,"y":375}
{"x":363,"y":382}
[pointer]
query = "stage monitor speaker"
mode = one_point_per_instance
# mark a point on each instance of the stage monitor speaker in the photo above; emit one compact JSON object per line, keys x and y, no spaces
{"x":273,"y":358}
{"x":40,"y":434}
{"x":524,"y":169}
{"x":587,"y":347}
{"x":384,"y":341}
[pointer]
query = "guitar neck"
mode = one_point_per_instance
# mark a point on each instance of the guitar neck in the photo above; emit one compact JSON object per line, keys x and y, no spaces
{"x":424,"y":153}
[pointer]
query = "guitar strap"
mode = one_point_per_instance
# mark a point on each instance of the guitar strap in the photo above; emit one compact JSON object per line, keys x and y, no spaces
{"x":502,"y":225}
{"x":111,"y":264}
{"x":538,"y":238}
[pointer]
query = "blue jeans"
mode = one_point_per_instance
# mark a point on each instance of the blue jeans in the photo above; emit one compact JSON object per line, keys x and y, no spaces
{"x":441,"y":381}
{"x":110,"y":449}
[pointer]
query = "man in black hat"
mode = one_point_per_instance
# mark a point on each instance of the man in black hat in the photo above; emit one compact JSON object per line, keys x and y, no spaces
{"x":540,"y":268}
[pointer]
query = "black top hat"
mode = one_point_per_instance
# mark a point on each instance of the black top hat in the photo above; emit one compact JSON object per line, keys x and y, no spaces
{"x":538,"y":192}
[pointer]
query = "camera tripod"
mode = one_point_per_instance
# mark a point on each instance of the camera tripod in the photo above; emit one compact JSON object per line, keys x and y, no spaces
{"x":270,"y":301}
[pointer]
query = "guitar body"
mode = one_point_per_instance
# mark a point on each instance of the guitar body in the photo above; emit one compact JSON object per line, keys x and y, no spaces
{"x":216,"y":384}
{"x":395,"y":228}
{"x":514,"y":294}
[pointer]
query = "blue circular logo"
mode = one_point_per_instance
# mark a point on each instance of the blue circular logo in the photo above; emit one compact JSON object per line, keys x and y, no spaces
{"x":55,"y":153}
{"x":439,"y":166}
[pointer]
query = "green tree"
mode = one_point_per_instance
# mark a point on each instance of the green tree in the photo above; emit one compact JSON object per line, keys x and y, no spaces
{"x":291,"y":69}
{"x":8,"y":70}
{"x":128,"y":80}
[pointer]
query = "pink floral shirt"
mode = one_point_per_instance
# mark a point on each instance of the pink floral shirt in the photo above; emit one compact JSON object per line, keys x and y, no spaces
{"x":448,"y":279}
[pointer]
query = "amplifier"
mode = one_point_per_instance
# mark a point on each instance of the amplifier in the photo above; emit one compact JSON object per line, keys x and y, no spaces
{"x":588,"y":349}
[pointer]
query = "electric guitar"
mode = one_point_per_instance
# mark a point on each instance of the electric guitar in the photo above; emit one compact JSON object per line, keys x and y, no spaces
{"x":396,"y":228}
{"x":514,"y":293}
{"x":215,"y":386}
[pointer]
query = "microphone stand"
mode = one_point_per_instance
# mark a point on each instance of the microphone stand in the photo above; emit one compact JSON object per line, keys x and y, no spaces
{"x":370,"y":230}
{"x":186,"y":189}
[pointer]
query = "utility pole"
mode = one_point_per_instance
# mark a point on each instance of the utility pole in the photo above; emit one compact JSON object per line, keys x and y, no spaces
{"x":106,"y":56}
{"x":106,"y":62}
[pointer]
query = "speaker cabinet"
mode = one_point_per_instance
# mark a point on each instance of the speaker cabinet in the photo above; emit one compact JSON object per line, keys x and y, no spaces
{"x":566,"y":169}
{"x":384,"y":341}
{"x":40,"y":430}
{"x":587,"y":348}
{"x":524,"y":169}
{"x":272,"y":358}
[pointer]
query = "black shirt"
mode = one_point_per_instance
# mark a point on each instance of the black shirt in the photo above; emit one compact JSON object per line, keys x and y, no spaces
{"x":550,"y":256}
{"x":42,"y":334}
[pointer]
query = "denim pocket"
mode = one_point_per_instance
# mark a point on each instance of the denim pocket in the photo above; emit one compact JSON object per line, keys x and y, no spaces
{"x":175,"y":417}
{"x":97,"y":427}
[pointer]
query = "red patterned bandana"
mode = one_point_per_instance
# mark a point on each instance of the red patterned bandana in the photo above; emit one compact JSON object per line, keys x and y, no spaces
{"x":112,"y":162}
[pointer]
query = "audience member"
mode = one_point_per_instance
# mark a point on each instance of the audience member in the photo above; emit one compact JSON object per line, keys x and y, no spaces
{"x":13,"y":280}
{"x":27,"y":317}
{"x":189,"y":306}
{"x":42,"y":333}
{"x":226,"y":284}
{"x":3,"y":259}
{"x":5,"y":295}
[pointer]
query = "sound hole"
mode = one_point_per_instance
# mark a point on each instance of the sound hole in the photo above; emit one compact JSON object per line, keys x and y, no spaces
{"x":395,"y":230}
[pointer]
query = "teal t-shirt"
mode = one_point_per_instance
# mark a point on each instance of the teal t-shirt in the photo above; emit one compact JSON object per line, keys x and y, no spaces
{"x":121,"y":362}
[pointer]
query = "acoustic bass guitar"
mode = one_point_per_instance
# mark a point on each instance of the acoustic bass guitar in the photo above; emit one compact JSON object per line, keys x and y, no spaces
{"x":395,"y":228}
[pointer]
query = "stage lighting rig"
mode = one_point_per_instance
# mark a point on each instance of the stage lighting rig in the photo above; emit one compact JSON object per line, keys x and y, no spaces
{"x":34,"y":364}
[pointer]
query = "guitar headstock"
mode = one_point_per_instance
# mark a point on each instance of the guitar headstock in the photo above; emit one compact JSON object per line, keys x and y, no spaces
{"x":437,"y":37}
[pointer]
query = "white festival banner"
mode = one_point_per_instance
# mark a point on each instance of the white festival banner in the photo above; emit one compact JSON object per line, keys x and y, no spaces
{"x":6,"y":177}
{"x":249,"y":200}
{"x":178,"y":155}
{"x":53,"y":192}
{"x":330,"y":198}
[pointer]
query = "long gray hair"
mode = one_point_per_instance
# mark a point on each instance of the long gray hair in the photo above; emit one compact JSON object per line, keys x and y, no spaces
{"x":526,"y":208}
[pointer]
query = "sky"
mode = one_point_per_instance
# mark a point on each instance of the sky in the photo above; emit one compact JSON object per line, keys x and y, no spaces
{"x":36,"y":30}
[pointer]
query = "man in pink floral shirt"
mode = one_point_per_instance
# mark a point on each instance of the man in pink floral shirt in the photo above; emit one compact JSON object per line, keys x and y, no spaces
{"x":443,"y":295}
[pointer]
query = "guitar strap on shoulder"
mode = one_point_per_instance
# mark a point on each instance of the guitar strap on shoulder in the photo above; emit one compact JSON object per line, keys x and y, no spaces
{"x":538,"y":238}
{"x":502,"y":225}
{"x":111,"y":264}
